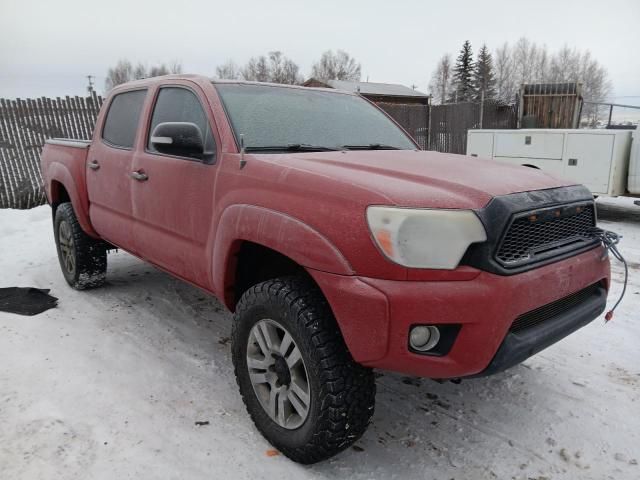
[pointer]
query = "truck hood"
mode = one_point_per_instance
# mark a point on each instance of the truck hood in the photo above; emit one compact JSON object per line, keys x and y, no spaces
{"x":420,"y":178}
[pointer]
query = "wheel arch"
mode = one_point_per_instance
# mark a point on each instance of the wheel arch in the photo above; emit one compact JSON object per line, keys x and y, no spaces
{"x":256,"y":263}
{"x":58,"y":195}
{"x":61,"y":187}
{"x":247,"y":231}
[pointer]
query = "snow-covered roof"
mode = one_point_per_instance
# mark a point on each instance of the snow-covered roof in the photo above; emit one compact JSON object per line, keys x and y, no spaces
{"x":371,"y":88}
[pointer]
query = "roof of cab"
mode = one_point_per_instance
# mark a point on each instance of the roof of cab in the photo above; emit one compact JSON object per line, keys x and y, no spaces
{"x":277,"y":85}
{"x":144,"y":82}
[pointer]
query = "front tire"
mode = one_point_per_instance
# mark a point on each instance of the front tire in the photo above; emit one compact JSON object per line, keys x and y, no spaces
{"x":83,"y":259}
{"x":300,"y":385}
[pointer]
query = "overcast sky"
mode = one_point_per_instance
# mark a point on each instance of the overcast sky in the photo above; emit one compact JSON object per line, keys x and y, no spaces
{"x":47,"y":47}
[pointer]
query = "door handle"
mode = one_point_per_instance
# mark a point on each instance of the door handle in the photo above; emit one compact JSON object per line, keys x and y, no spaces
{"x":573,"y":162}
{"x":94,"y":165}
{"x":139,"y":176}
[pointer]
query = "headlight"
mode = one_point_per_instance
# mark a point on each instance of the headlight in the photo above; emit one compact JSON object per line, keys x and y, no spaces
{"x":424,"y":238}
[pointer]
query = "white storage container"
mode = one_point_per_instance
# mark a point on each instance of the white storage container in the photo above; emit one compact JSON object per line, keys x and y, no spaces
{"x":598,"y":159}
{"x":634,"y":164}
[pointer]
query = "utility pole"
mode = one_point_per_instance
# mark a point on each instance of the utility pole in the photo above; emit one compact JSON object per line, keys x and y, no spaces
{"x":90,"y":89}
{"x":429,"y":106}
{"x":481,"y":106}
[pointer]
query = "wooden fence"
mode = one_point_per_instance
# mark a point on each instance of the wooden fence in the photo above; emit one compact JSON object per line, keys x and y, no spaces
{"x":25,"y":124}
{"x":414,"y":118}
{"x":550,"y":105}
{"x":451,"y":122}
{"x":444,"y":127}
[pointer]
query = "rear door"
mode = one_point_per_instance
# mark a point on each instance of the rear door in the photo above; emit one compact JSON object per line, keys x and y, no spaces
{"x":109,"y":168}
{"x":173,"y":200}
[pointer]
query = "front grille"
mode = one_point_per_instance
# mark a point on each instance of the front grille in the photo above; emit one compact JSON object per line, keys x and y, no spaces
{"x":551,"y":310}
{"x":542,"y":234}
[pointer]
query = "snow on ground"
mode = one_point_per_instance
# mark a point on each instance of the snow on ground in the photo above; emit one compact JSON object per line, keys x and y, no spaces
{"x":109,"y":385}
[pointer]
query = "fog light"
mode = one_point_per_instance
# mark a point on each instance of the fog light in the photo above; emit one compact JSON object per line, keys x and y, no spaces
{"x":423,"y":338}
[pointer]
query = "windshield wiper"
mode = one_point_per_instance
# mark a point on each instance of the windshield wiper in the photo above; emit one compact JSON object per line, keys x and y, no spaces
{"x":370,"y":146}
{"x":291,"y":147}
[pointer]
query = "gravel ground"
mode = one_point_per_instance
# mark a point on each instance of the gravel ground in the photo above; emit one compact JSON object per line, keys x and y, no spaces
{"x":110,"y":385}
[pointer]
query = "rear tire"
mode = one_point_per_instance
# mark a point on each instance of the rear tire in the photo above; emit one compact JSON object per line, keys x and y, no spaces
{"x":83,"y":259}
{"x":335,"y":404}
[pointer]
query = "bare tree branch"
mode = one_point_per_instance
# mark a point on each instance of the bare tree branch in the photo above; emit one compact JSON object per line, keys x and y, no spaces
{"x":256,"y":70}
{"x":121,"y":73}
{"x":440,"y":83}
{"x":506,"y":88}
{"x":274,"y":68}
{"x":228,"y":71}
{"x":124,"y":72}
{"x":336,"y":66}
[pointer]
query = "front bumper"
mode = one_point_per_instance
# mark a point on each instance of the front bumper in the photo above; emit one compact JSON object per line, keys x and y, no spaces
{"x":518,"y":346}
{"x":375,"y":315}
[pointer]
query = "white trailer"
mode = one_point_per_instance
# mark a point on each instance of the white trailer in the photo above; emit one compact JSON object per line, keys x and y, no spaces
{"x":605,"y":161}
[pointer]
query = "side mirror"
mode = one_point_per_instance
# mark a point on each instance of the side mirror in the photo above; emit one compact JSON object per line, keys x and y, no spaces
{"x":183,"y":139}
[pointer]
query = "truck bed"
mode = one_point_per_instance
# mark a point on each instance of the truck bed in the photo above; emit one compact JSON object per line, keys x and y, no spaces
{"x":63,"y":166}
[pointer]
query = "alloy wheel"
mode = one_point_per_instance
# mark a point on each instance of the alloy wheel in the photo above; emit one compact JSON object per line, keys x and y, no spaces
{"x":278,"y":374}
{"x":67,"y":247}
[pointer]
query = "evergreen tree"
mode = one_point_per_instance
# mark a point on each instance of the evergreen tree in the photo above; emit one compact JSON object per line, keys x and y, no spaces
{"x":463,"y":90}
{"x":483,"y":76}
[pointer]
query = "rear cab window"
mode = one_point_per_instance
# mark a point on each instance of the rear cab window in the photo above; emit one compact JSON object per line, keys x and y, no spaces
{"x":179,"y":104}
{"x":121,"y":124}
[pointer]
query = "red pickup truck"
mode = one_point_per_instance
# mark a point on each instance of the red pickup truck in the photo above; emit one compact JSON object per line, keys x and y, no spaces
{"x":339,"y":245}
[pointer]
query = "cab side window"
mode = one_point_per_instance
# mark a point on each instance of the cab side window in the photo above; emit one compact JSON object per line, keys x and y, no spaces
{"x":175,"y":104}
{"x":121,"y":124}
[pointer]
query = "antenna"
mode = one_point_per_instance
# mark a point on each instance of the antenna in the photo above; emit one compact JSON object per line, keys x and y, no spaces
{"x":243,"y":162}
{"x":90,"y":86}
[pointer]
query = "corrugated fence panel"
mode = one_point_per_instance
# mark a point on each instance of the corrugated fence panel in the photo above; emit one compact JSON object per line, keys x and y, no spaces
{"x":414,"y":118}
{"x":451,"y":122}
{"x":449,"y":125}
{"x":24,"y":127}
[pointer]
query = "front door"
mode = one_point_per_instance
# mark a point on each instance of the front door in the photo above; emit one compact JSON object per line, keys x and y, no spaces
{"x":109,"y":168}
{"x":173,"y":198}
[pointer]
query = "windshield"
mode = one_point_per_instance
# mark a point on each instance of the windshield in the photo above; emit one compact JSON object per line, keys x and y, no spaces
{"x":294,"y":119}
